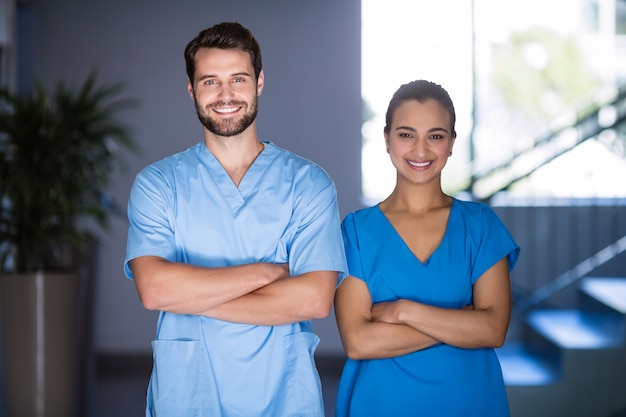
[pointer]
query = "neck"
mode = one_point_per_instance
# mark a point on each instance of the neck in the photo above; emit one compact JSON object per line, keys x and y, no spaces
{"x":416,"y":198}
{"x":235,"y":153}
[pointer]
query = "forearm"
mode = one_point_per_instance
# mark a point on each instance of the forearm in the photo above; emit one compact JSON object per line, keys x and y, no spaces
{"x":305,"y":297}
{"x":465,"y":328}
{"x":379,"y":340}
{"x":483,"y":325}
{"x":188,"y":289}
{"x":363,"y":336}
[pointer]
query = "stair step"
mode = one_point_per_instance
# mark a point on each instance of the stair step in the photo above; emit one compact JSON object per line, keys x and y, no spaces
{"x":575,"y":329}
{"x":521,"y":367}
{"x":608,"y":290}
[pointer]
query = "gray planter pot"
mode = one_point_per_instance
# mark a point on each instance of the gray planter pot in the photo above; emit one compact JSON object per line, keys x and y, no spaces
{"x":39,"y":324}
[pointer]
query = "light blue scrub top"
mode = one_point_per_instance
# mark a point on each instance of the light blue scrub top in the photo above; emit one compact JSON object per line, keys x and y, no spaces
{"x":185,"y":208}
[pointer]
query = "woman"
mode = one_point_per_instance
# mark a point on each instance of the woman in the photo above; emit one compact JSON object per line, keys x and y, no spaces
{"x":428,"y":296}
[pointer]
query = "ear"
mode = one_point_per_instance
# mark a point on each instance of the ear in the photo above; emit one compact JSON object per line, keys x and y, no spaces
{"x":190,"y":90}
{"x":452,"y":143}
{"x":260,"y":83}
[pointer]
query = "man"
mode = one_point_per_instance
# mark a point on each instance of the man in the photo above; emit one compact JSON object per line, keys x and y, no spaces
{"x":238,"y":244}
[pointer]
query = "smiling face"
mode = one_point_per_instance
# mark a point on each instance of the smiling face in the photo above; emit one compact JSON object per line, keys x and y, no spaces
{"x":420,"y":140}
{"x":225,"y":90}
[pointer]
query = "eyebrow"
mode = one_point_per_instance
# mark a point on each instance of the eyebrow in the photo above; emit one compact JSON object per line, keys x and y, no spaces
{"x":239,"y":74}
{"x":431,"y":130}
{"x":236,"y":74}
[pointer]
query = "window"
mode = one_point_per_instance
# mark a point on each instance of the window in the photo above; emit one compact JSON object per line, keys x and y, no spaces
{"x":516,"y":77}
{"x":404,"y":40}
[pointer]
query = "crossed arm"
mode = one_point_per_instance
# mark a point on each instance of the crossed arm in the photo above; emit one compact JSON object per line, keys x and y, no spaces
{"x":389,"y":329}
{"x":259,"y":293}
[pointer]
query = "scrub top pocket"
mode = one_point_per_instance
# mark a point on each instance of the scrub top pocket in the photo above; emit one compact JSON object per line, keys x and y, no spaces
{"x":180,"y":384}
{"x":304,"y":388}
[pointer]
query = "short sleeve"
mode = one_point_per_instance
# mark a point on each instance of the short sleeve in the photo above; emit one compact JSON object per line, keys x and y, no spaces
{"x":351,"y":245}
{"x":317,"y":244}
{"x":494,"y":243}
{"x":150,"y":228}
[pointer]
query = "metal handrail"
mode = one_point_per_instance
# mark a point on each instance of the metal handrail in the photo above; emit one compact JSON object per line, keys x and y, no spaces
{"x":587,"y":124}
{"x":570,"y":276}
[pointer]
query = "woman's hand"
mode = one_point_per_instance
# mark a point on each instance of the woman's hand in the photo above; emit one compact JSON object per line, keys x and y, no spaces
{"x":388,"y":312}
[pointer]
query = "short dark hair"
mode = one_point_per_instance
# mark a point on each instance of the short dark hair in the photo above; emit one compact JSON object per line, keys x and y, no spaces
{"x":420,"y":90}
{"x":226,"y":35}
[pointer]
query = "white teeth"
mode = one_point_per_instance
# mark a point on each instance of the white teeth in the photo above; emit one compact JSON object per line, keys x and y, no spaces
{"x":419,"y":164}
{"x":227,"y":110}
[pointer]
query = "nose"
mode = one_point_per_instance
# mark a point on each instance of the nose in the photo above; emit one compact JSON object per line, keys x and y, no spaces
{"x":225,"y":92}
{"x":420,"y":147}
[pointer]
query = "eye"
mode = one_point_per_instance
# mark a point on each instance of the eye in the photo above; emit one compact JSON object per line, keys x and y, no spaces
{"x":240,"y":79}
{"x":405,"y":135}
{"x":437,"y":136}
{"x":210,"y":82}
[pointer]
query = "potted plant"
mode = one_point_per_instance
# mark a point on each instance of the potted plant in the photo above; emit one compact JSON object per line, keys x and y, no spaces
{"x":58,"y":151}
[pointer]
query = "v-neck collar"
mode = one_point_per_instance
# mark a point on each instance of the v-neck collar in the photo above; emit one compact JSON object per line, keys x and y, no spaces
{"x":234,"y":195}
{"x":394,"y":232}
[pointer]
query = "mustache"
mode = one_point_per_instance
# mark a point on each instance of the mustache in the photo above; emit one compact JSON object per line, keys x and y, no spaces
{"x":226,"y":104}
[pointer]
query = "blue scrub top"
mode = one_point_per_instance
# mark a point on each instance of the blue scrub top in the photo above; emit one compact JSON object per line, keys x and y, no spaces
{"x":442,"y":380}
{"x":185,"y":208}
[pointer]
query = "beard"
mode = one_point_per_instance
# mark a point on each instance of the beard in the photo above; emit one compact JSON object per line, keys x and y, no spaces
{"x":230,"y":126}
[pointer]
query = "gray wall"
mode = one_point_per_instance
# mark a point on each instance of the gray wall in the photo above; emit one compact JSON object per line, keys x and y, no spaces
{"x":310,"y":105}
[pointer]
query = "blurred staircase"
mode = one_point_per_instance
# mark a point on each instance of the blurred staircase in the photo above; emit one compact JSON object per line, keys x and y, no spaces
{"x":607,"y":112}
{"x":571,"y":362}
